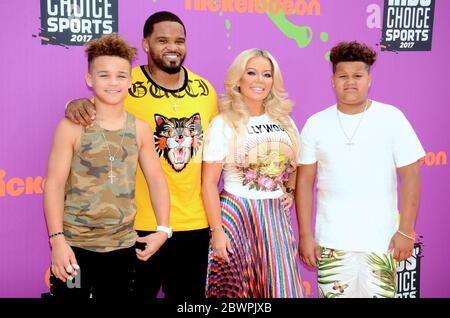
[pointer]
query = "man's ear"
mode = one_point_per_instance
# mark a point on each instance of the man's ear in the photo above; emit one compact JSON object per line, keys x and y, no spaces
{"x":145,"y":45}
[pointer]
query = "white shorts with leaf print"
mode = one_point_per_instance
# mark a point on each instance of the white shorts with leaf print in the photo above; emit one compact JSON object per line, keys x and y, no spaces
{"x":343,"y":274}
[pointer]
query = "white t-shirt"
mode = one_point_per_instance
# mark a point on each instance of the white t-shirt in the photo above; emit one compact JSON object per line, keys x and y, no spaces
{"x":255,"y":165}
{"x":357,"y":185}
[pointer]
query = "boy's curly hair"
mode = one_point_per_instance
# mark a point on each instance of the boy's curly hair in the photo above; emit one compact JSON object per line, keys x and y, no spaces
{"x":352,"y":52}
{"x":110,"y":45}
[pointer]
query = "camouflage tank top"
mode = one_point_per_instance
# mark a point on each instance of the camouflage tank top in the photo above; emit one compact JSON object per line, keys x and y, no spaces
{"x":99,"y":210}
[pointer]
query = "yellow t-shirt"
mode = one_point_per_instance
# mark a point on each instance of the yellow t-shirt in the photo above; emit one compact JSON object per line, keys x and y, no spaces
{"x":179,"y":119}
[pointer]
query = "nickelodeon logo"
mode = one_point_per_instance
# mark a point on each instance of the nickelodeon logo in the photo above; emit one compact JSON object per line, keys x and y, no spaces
{"x":434,"y":159}
{"x":288,"y":7}
{"x":17,"y":186}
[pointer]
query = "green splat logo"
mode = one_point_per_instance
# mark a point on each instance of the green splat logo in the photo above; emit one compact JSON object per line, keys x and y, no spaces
{"x":302,"y":35}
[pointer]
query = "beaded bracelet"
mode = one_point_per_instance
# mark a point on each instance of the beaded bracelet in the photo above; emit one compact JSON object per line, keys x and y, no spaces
{"x":408,"y":236}
{"x":55,"y":234}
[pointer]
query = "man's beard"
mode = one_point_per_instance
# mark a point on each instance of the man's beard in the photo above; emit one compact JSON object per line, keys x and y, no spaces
{"x":171,"y":68}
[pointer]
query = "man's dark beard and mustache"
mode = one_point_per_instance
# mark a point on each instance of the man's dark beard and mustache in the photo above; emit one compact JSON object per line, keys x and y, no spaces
{"x":171,"y":68}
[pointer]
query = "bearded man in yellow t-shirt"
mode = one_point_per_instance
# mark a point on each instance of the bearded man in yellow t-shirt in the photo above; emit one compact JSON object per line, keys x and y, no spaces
{"x":178,"y":105}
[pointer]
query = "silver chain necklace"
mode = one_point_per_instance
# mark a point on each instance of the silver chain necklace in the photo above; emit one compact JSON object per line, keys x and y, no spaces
{"x":174,"y":105}
{"x":112,"y":158}
{"x":350,"y":141}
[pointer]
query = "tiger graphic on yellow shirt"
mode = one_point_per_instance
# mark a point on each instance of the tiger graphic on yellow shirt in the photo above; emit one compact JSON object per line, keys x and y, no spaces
{"x":177,"y":139}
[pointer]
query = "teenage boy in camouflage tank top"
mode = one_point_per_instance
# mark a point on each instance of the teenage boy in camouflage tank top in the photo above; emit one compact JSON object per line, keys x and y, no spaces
{"x":90,"y":187}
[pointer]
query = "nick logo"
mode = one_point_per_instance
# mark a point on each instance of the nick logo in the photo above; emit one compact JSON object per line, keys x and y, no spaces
{"x":17,"y":186}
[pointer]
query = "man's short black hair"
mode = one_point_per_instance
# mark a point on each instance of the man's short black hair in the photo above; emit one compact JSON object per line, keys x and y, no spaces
{"x":160,"y":16}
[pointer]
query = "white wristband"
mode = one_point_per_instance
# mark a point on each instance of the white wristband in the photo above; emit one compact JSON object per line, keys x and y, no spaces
{"x":165,"y":229}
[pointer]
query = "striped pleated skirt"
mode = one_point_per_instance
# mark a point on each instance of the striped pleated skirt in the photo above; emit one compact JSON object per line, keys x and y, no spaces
{"x":265,"y":261}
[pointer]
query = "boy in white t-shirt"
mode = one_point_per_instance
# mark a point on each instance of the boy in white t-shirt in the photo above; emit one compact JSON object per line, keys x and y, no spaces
{"x":355,"y":149}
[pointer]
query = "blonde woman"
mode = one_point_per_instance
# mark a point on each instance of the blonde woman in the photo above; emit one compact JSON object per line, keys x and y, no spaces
{"x":255,"y":143}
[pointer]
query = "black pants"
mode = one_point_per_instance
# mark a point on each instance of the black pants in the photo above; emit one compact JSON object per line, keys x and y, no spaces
{"x":102,"y":276}
{"x":179,"y":267}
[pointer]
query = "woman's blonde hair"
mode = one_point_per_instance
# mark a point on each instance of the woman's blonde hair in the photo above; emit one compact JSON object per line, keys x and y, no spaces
{"x":277,"y":105}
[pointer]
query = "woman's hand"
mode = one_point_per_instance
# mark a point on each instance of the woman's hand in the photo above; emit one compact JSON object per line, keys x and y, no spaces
{"x":287,"y":199}
{"x":221,"y":244}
